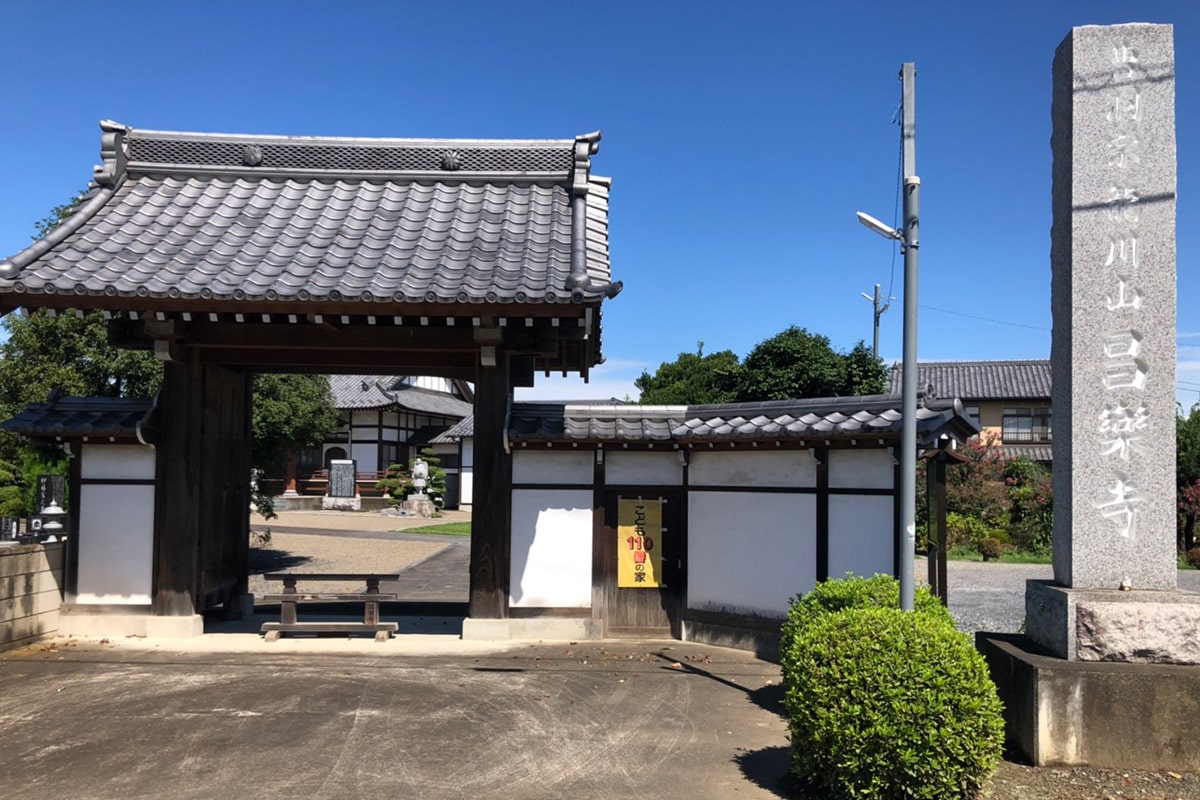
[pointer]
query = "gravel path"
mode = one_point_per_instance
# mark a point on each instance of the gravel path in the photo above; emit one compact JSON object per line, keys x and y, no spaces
{"x":991,"y":597}
{"x":320,"y":552}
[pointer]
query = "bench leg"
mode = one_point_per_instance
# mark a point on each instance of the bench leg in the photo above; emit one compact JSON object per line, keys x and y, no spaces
{"x":382,"y":636}
{"x":271,"y":636}
{"x":287,"y":612}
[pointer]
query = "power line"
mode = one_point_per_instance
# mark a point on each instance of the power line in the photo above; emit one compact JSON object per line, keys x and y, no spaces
{"x":984,"y":319}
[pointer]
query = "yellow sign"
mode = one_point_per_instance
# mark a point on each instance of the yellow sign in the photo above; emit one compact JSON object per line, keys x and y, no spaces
{"x":639,"y":544}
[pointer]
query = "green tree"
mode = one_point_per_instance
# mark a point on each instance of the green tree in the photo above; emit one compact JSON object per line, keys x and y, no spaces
{"x":797,"y":364}
{"x":290,"y":412}
{"x":72,"y":354}
{"x":1187,"y":474}
{"x":692,"y":379}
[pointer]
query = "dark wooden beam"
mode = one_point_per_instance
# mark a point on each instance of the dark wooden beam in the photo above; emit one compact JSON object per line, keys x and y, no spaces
{"x":457,"y":365}
{"x":491,"y":534}
{"x":177,"y":495}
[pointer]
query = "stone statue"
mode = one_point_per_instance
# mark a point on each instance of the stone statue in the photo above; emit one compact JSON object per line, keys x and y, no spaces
{"x":420,"y":475}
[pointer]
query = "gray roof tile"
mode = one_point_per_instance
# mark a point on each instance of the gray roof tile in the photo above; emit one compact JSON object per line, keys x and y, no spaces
{"x":981,"y":380}
{"x":385,"y":391}
{"x":342,"y":220}
{"x":80,"y":417}
{"x":777,"y":420}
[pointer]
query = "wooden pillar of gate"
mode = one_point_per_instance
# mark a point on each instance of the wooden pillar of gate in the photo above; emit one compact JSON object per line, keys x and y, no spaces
{"x":202,"y":486}
{"x":492,"y":495}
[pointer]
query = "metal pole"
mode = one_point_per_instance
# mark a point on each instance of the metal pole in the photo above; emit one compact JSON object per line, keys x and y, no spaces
{"x":878,"y":312}
{"x":908,"y":434}
{"x":875,"y":341}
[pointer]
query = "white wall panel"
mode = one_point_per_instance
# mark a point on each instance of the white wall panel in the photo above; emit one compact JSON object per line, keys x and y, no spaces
{"x":553,"y":466}
{"x":660,"y":468}
{"x":368,"y":419}
{"x":367,"y":456}
{"x":551,"y":549}
{"x":127,"y":461}
{"x":860,"y":535}
{"x":750,"y":553}
{"x":116,"y":543}
{"x":861,"y":469}
{"x":752,"y":468}
{"x":467,"y":471}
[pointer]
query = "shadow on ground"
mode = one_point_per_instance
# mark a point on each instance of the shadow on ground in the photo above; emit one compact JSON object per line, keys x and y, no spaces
{"x":273,"y":560}
{"x":768,"y":769}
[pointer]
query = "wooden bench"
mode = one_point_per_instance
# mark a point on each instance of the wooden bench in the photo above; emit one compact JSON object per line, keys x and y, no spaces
{"x":290,"y":598}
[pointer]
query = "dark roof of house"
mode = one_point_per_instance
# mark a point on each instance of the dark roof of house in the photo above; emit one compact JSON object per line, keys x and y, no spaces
{"x":81,"y":417}
{"x":427,"y":434}
{"x":181,"y":217}
{"x":386,"y":391}
{"x":981,"y":380}
{"x":776,"y":420}
{"x":463,"y":429}
{"x":1042,"y":453}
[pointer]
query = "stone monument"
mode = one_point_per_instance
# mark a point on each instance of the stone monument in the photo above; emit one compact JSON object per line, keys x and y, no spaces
{"x":1113,"y":355}
{"x":1099,"y":678}
{"x":342,"y":494}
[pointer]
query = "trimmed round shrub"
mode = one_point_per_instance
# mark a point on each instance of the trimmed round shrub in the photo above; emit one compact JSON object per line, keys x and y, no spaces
{"x":887,"y":704}
{"x":839,"y":594}
{"x":990,"y":549}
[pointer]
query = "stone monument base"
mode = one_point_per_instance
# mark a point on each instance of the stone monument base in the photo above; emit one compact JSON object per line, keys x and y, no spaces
{"x":341,"y":503}
{"x":420,"y":505}
{"x":1103,"y":714}
{"x":1150,"y":627}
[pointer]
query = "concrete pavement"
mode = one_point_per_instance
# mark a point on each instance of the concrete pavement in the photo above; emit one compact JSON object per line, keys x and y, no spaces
{"x":589,"y":720}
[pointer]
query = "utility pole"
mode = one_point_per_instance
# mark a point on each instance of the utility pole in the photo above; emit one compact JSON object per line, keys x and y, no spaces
{"x":878,"y":313}
{"x":909,"y":236}
{"x":911,"y":244}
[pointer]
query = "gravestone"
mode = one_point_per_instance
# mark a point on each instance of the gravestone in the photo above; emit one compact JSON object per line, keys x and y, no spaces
{"x":1114,"y":595}
{"x":50,"y":488}
{"x":9,"y":527}
{"x":342,"y":494}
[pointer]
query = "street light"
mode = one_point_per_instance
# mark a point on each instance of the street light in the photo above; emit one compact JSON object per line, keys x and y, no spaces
{"x":909,"y":238}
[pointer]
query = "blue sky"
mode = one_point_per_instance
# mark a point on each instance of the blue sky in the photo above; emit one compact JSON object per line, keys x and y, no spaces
{"x":741,"y":138}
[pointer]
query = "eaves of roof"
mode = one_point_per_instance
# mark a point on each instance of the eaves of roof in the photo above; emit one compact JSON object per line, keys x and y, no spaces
{"x":1013,"y":379}
{"x":841,"y":418}
{"x":81,"y":418}
{"x":189,"y":219}
{"x":366,"y":392}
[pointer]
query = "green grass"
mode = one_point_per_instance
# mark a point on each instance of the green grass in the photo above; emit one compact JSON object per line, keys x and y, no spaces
{"x":444,"y":528}
{"x":1009,"y":556}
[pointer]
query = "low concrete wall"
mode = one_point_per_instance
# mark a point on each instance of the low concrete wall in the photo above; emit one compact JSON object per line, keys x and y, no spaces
{"x":1102,"y":714}
{"x":31,"y":578}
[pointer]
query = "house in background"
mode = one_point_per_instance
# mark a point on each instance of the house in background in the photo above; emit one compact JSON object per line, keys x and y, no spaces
{"x":1009,"y":400}
{"x":385,"y":420}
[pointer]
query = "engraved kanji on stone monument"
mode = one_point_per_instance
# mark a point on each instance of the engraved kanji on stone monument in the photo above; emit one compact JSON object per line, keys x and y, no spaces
{"x":1113,"y":297}
{"x":341,"y":478}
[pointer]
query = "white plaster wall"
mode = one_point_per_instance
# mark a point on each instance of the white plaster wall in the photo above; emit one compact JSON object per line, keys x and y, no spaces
{"x":860,"y":535}
{"x":748,"y":552}
{"x":752,"y":468}
{"x":391,"y":418}
{"x":467,"y":470}
{"x":553,"y":466}
{"x":133,"y":461}
{"x":660,"y":468}
{"x":365,"y":419}
{"x":431,"y":383}
{"x":391,"y":435}
{"x":861,"y":469}
{"x":367,"y":456}
{"x":116,"y":541}
{"x":551,"y":549}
